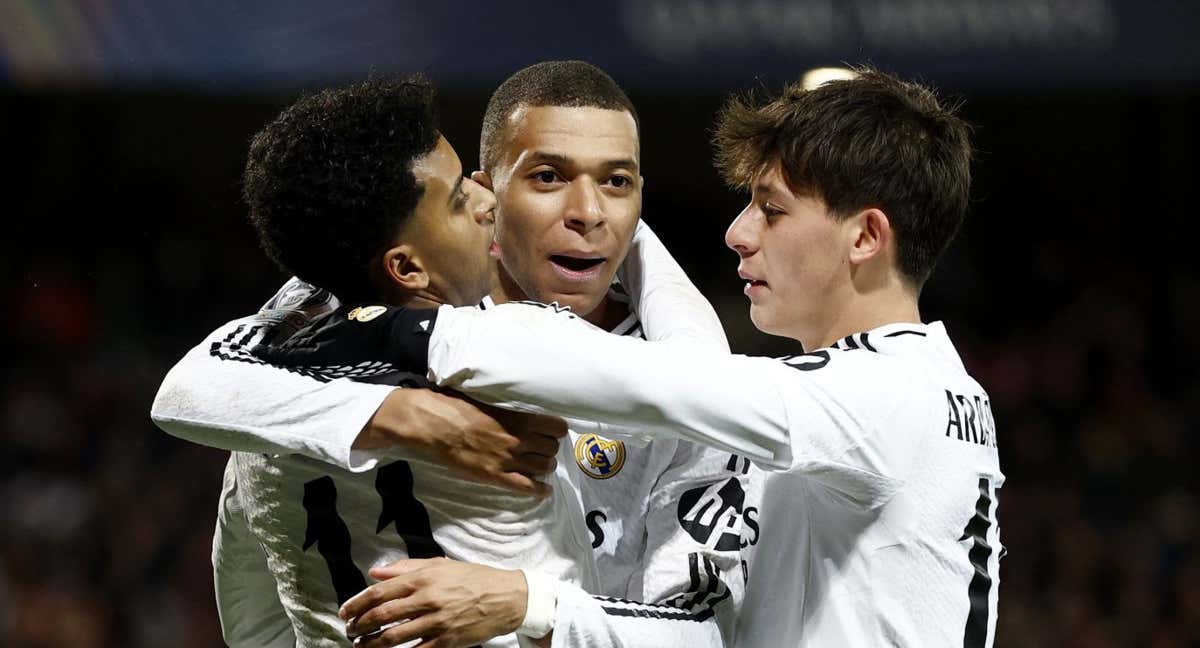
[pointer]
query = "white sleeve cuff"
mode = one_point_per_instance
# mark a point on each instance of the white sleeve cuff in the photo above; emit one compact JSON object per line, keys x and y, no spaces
{"x":541,"y":604}
{"x":360,"y":402}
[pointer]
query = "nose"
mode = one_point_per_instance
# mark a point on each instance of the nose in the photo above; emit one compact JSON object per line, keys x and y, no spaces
{"x":484,"y":207}
{"x":583,"y":210}
{"x":740,"y":236}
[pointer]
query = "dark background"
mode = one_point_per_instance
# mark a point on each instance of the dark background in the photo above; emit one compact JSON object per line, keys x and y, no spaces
{"x":1072,"y":293}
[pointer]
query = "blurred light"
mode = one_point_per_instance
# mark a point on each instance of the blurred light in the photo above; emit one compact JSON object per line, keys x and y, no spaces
{"x":819,"y":76}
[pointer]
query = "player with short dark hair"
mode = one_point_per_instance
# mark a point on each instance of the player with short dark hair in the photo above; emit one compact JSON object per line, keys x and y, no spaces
{"x":566,"y":84}
{"x":879,"y":510}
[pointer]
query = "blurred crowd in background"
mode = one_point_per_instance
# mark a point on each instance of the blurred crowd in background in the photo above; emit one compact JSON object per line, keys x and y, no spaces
{"x":1073,"y":293}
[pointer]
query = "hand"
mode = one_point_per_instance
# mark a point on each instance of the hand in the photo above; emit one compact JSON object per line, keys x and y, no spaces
{"x":444,"y":603}
{"x":480,"y":442}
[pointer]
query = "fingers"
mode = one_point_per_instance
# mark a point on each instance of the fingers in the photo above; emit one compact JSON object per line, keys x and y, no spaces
{"x":401,"y":567}
{"x":550,"y":426}
{"x":522,"y":424}
{"x":386,"y":613}
{"x":360,"y":603}
{"x":535,"y":464}
{"x":399,"y":634}
{"x":523,"y":484}
{"x":538,"y":445}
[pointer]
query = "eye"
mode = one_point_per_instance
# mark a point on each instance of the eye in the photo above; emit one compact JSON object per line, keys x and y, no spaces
{"x":620,"y":181}
{"x":545,"y":176}
{"x":771,"y":211}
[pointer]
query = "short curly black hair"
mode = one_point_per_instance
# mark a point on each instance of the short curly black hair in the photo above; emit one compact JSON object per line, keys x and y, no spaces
{"x":329,"y":182}
{"x":571,"y":84}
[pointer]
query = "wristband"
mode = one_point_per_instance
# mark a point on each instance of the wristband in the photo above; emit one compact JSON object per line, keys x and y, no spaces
{"x":540,"y":606}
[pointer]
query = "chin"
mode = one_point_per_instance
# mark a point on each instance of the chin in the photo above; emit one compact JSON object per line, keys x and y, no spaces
{"x":763,"y":320}
{"x":580,"y":304}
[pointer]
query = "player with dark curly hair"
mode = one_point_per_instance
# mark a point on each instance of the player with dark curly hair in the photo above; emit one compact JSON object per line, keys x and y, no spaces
{"x":354,"y":189}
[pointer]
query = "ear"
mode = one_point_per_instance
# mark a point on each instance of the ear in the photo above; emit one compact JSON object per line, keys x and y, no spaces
{"x":483,"y":178}
{"x":872,"y":232}
{"x":403,"y":269}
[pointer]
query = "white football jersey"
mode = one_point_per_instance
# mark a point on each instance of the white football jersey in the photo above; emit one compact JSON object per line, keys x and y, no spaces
{"x":879,"y":520}
{"x":664,"y":517}
{"x":322,"y":528}
{"x":323,"y":522}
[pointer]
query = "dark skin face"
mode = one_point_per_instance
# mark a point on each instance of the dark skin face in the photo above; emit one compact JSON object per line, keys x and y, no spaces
{"x":440,"y":254}
{"x":569,"y":195}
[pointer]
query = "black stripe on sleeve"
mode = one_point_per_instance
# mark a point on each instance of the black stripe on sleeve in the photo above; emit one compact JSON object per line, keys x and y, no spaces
{"x":867,"y":343}
{"x":905,"y":332}
{"x":665,"y":615}
{"x":849,"y":342}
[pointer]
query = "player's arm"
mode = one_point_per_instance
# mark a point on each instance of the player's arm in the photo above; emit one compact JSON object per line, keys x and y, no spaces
{"x":538,"y":359}
{"x":825,"y":414}
{"x":454,"y":603}
{"x":220,"y":395}
{"x":668,"y":304}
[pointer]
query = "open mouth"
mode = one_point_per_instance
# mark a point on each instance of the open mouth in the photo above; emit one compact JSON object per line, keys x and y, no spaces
{"x":575,"y":264}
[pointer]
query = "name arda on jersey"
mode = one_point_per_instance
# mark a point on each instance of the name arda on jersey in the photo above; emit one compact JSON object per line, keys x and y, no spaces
{"x":969,"y":418}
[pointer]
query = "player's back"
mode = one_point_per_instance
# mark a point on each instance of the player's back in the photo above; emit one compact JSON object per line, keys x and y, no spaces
{"x":891,"y":539}
{"x":323,"y":527}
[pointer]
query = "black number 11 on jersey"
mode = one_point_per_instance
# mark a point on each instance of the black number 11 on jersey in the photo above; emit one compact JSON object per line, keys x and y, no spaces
{"x":326,"y":530}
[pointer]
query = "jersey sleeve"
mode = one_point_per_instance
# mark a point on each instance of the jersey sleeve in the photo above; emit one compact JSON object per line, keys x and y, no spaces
{"x":221,"y":396}
{"x":823,"y":414}
{"x":583,"y":620}
{"x":248,"y":605}
{"x":668,"y":304}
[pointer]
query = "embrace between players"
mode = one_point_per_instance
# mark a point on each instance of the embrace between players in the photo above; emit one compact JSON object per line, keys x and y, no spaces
{"x":355,"y":457}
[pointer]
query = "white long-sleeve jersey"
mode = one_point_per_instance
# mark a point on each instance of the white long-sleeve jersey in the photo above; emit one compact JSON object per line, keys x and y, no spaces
{"x":879,"y":518}
{"x":320,"y":515}
{"x":665,"y":523}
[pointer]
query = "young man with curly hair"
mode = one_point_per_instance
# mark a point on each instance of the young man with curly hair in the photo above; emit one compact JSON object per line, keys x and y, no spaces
{"x":355,"y":189}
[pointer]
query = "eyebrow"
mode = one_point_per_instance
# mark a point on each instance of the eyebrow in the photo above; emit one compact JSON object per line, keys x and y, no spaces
{"x":541,"y":157}
{"x":456,"y":192}
{"x":763,"y":188}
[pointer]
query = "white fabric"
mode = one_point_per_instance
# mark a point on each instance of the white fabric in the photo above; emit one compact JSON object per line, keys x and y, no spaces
{"x":304,"y":500}
{"x":540,"y":605}
{"x":646,"y":553}
{"x":668,"y":304}
{"x":249,"y":610}
{"x":863,"y":518}
{"x":253,"y":407}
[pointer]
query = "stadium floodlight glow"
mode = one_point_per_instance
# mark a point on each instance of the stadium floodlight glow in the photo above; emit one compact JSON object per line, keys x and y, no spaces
{"x":817,"y":77}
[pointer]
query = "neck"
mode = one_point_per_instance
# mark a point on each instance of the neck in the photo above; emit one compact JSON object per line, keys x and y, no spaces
{"x":863,"y":313}
{"x":396,"y":296}
{"x":505,"y":288}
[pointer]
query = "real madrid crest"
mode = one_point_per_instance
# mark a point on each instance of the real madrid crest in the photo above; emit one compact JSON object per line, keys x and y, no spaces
{"x":599,"y":458}
{"x":366,"y":313}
